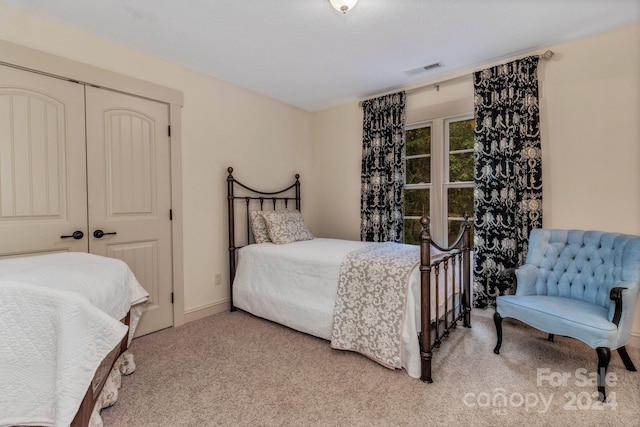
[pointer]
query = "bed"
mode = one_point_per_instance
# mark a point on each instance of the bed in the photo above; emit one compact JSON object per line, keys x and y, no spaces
{"x":66,"y":321}
{"x":391,"y":302}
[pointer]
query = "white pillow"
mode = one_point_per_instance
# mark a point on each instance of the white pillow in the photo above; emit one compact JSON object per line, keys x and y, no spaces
{"x":286,"y":226}
{"x":259,"y":227}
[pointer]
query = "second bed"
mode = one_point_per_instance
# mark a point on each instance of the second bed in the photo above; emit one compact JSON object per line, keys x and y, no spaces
{"x":337,"y":289}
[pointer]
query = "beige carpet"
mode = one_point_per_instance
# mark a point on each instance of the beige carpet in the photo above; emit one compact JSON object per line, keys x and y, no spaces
{"x":234,"y":369}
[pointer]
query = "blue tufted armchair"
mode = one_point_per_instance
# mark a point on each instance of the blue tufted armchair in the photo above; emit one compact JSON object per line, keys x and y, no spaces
{"x":579,"y":284}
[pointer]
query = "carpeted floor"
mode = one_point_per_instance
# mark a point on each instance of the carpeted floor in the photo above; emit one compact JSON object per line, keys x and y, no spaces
{"x":233,"y":369}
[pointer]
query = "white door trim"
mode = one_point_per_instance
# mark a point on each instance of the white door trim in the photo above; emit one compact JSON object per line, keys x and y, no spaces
{"x":56,"y":66}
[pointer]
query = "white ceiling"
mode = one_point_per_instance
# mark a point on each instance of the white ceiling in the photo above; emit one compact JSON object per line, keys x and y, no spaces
{"x":306,"y":54}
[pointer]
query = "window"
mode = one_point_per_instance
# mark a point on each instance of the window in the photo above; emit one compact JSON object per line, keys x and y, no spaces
{"x":438,"y":177}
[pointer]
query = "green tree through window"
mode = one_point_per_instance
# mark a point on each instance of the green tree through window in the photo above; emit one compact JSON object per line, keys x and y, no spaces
{"x":438,"y":182}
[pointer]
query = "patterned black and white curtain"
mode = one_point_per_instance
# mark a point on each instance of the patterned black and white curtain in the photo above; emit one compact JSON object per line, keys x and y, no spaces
{"x":508,"y":172}
{"x":383,"y":140}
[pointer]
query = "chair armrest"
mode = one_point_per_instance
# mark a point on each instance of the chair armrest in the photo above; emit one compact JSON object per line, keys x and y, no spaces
{"x":527,"y":277}
{"x":616,"y":296}
{"x":624,"y":298}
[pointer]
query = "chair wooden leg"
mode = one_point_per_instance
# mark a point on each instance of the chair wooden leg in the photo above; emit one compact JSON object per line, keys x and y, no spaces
{"x":604,"y":356}
{"x":497,"y":319}
{"x":622,"y":351}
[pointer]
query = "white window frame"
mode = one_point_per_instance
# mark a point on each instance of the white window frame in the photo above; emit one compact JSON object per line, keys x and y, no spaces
{"x":440,"y":184}
{"x":446,"y":183}
{"x":422,"y":186}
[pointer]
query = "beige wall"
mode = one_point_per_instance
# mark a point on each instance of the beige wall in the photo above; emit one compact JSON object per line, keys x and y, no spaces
{"x":222,"y":125}
{"x":590,"y":104}
{"x":337,"y":153}
{"x":590,"y":124}
{"x":591,"y":133}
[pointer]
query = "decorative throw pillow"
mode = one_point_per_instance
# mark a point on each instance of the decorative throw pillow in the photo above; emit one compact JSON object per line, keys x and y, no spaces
{"x":286,"y":226}
{"x":259,"y":227}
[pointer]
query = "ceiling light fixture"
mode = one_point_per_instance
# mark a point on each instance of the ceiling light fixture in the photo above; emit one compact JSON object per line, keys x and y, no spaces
{"x":343,"y":5}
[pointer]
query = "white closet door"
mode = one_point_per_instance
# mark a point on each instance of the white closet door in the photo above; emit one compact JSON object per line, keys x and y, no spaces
{"x":49,"y":165}
{"x":42,"y":164}
{"x":129,"y":183}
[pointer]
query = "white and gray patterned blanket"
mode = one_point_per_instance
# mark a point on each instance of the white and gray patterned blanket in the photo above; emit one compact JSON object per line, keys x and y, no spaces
{"x":370,"y":303}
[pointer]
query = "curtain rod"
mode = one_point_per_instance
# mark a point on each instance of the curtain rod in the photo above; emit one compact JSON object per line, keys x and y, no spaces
{"x":545,"y":56}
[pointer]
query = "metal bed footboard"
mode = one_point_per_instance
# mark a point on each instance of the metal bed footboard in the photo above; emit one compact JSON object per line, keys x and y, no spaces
{"x":435,"y":326}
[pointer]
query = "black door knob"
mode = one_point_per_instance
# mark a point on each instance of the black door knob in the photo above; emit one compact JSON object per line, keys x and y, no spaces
{"x":99,"y":233}
{"x":76,"y":235}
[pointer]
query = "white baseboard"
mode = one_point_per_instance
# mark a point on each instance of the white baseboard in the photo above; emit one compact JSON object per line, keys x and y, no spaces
{"x":206,"y":310}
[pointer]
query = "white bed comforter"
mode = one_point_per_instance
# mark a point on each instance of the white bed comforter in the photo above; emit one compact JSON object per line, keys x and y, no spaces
{"x":59,"y":317}
{"x":295,"y":284}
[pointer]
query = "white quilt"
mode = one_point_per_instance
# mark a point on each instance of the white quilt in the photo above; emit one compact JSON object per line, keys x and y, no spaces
{"x":59,"y":317}
{"x":295,"y":284}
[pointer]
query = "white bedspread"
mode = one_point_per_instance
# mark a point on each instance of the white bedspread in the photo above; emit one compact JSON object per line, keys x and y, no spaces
{"x":295,"y":284}
{"x":107,"y":283}
{"x":59,"y":317}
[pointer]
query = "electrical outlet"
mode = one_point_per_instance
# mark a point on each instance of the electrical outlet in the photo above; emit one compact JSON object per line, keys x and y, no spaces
{"x":218,"y":280}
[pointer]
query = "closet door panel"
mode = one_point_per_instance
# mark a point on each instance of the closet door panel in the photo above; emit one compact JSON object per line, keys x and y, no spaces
{"x":129,"y":184}
{"x":42,"y":164}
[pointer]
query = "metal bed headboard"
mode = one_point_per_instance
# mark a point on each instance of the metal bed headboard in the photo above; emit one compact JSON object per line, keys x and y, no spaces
{"x":271,"y":197}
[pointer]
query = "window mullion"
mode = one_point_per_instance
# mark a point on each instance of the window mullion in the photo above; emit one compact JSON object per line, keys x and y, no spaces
{"x":438,"y":196}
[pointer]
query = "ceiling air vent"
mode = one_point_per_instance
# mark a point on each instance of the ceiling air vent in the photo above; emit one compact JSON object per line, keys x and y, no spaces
{"x":424,"y":68}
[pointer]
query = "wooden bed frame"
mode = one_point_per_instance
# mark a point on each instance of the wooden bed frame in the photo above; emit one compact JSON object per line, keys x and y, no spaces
{"x":83,"y":416}
{"x":457,"y":257}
